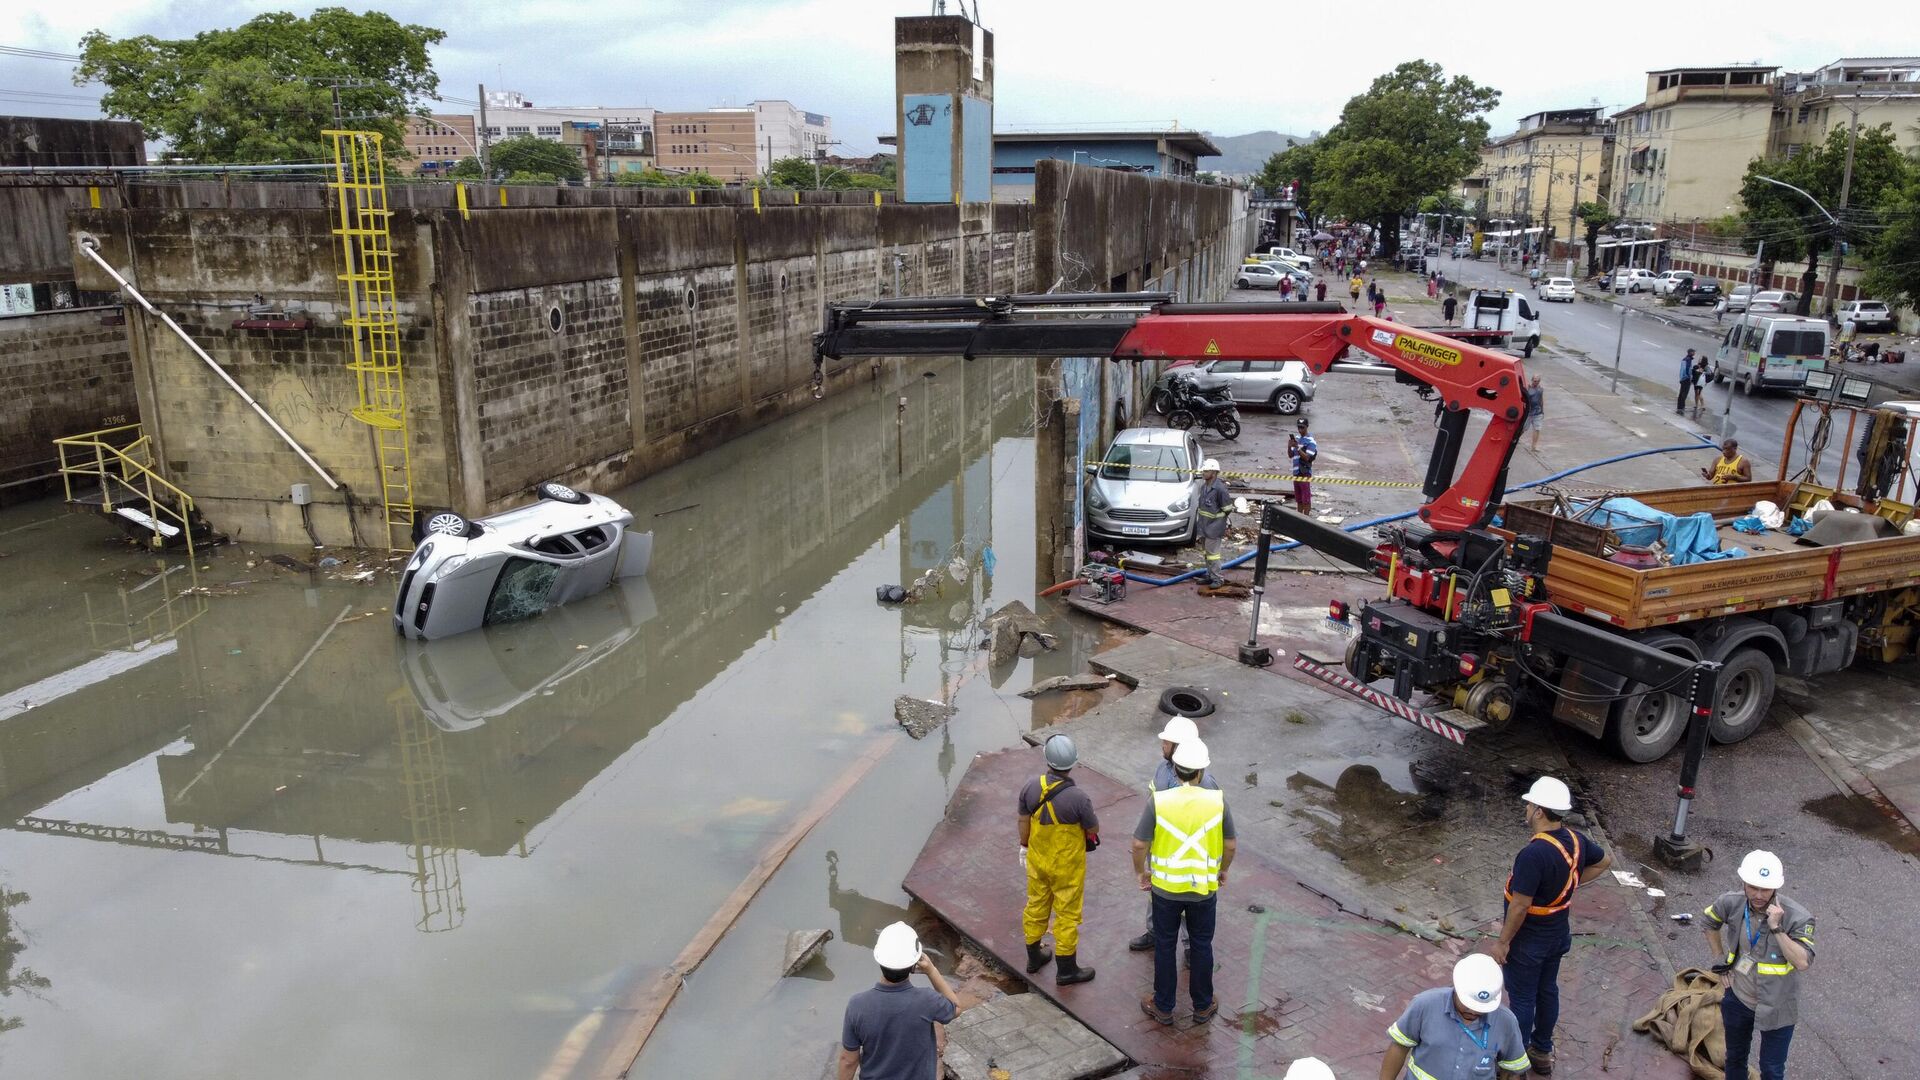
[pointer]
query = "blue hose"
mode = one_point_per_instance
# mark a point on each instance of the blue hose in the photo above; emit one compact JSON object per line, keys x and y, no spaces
{"x":1703,"y":444}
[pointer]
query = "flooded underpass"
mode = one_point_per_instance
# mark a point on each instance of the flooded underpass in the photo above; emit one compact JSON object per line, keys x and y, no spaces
{"x":245,"y":830}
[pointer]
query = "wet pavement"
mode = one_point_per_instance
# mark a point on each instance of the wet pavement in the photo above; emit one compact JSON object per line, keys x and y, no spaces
{"x":246,"y":829}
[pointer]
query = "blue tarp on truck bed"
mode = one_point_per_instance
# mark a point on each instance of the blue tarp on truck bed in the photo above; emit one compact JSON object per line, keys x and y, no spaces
{"x":1688,"y":539}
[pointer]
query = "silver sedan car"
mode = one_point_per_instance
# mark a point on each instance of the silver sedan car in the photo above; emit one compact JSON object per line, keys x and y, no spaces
{"x":514,"y":565}
{"x":1285,"y":386}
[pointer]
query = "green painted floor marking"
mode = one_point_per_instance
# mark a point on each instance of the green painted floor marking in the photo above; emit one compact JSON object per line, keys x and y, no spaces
{"x":1256,"y":956}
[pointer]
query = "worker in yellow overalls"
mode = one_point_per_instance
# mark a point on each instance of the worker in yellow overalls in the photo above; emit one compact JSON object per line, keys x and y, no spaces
{"x":1057,"y":829}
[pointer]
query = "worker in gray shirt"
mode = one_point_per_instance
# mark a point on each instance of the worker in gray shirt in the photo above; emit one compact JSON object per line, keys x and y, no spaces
{"x":1178,"y":730}
{"x":896,"y":1030}
{"x":1215,"y":500}
{"x":1763,"y":941}
{"x":1458,"y":1032}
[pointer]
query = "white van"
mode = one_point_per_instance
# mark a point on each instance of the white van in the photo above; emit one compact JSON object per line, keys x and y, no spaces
{"x":1763,"y":351}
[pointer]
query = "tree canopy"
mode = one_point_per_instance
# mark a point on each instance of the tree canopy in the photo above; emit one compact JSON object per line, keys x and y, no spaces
{"x":1414,"y":132}
{"x":797,"y":173}
{"x":531,"y":154}
{"x":1296,"y":165}
{"x":262,"y":92}
{"x":657,"y":178}
{"x":1794,"y":229}
{"x":1893,"y":257}
{"x":1595,"y":216}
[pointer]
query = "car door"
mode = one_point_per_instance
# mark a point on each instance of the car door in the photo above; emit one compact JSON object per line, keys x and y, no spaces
{"x":1256,"y":387}
{"x":1234,"y":371}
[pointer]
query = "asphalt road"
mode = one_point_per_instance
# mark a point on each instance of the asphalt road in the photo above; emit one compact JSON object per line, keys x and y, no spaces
{"x":1650,"y":353}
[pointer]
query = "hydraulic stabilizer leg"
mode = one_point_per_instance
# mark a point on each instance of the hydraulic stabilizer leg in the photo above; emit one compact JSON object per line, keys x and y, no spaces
{"x":1253,"y":653}
{"x":1675,"y":849}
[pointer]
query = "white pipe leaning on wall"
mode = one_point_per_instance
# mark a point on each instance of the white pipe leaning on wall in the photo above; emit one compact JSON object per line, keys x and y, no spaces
{"x":90,"y":247}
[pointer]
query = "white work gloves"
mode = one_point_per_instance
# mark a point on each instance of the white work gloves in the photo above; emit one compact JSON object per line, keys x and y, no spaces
{"x":1241,"y":505}
{"x":1023,"y":856}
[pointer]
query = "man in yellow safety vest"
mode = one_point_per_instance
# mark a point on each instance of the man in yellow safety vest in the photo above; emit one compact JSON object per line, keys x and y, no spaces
{"x":1182,"y":849}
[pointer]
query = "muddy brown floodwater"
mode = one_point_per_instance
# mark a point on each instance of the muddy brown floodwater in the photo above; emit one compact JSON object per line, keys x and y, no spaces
{"x":246,"y":831}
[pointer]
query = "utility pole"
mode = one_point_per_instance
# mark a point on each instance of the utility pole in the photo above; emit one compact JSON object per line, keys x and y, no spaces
{"x":1573,"y":211}
{"x":1726,"y":411}
{"x":1846,"y":185}
{"x":485,"y":174}
{"x":1546,"y":216}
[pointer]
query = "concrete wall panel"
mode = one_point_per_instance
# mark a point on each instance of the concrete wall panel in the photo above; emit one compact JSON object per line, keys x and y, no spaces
{"x":61,"y":373}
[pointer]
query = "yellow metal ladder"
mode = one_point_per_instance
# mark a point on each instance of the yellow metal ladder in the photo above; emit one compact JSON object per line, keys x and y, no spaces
{"x":366,"y":245}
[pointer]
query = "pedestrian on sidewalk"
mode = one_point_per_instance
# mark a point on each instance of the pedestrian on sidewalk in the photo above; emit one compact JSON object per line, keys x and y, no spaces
{"x":896,"y":1030}
{"x":1699,"y":388}
{"x":1214,"y":501}
{"x":1537,"y":932}
{"x":1320,"y":291}
{"x":1182,"y":849}
{"x":1534,"y":396}
{"x":1461,"y":1032}
{"x":1686,"y":382}
{"x":1379,"y":302}
{"x":1179,"y":729}
{"x":1057,"y":829}
{"x":1354,"y":285}
{"x":1302,"y":449}
{"x":1446,"y":309}
{"x":1759,"y":961}
{"x":1286,"y":286}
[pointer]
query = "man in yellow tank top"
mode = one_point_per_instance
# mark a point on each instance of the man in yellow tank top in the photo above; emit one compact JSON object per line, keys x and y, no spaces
{"x":1731,"y":468}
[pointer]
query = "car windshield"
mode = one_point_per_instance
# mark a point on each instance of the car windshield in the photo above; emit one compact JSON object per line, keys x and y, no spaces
{"x":520,"y":591}
{"x":1144,"y":461}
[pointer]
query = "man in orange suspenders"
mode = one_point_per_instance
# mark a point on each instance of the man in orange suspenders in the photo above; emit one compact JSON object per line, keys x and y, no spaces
{"x":1537,"y":932}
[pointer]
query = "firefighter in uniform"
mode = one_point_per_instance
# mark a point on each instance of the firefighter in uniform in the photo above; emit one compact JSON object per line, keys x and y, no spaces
{"x":1763,"y":950}
{"x":1214,"y":501}
{"x":1057,"y":829}
{"x":1537,"y":931}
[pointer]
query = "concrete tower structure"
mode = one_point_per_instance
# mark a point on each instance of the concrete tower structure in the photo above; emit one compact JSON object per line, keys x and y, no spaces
{"x":943,"y":108}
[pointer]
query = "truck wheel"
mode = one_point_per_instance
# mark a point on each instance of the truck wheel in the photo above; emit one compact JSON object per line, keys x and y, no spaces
{"x":1532,"y":344}
{"x":1645,"y":726}
{"x":1747,"y":384}
{"x":1286,"y":402}
{"x":1746,"y":692}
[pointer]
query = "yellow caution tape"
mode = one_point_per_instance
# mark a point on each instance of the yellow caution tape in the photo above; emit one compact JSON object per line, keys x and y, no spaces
{"x":1264,"y":476}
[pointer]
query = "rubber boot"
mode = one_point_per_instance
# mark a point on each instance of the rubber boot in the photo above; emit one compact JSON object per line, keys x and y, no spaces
{"x":1037,"y":957}
{"x":1069,"y":972}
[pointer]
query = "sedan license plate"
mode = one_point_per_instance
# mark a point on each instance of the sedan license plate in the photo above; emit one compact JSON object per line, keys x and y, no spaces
{"x":1133,"y":530}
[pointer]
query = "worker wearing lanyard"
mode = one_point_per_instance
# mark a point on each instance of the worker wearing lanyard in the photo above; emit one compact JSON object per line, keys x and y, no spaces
{"x":1461,"y":1032}
{"x":1537,"y":933}
{"x":1761,"y":966}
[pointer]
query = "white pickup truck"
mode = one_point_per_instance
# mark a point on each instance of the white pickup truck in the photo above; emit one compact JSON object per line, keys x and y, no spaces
{"x":1496,"y":319}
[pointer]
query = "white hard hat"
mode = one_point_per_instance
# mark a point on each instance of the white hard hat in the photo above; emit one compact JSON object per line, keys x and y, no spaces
{"x":1761,"y":869}
{"x":1308,"y":1069}
{"x":898,"y":947}
{"x":1192,"y":754}
{"x":1179,"y":729}
{"x":1210,"y":465}
{"x":1550,"y":794}
{"x":1477,"y":981}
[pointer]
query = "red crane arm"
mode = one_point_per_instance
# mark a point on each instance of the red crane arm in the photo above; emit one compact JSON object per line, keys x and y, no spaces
{"x":1468,"y":379}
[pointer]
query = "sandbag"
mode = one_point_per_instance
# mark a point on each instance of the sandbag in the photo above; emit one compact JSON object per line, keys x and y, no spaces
{"x":1687,"y":1021}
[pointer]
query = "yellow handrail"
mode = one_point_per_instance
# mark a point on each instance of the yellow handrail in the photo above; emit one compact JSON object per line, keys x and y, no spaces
{"x":113,"y":464}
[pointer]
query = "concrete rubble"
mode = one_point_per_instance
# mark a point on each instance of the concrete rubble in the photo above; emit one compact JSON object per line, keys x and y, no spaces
{"x":803,"y":948}
{"x":1027,"y":1036}
{"x":1015,"y":631}
{"x":920,"y":716}
{"x":1065,"y":682}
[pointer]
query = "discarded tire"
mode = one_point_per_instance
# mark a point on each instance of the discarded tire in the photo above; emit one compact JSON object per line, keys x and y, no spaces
{"x":560,"y":493}
{"x":1186,"y":701}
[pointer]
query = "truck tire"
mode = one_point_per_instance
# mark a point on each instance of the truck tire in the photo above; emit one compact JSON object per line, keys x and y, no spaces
{"x":1644,"y":727}
{"x":1746,"y":693}
{"x":1532,"y":344}
{"x":1747,"y":385}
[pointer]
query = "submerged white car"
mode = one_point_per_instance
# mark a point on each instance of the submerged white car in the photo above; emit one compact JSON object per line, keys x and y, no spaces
{"x":514,"y":565}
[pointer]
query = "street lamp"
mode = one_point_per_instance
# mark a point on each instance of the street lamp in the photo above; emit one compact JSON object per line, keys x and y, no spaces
{"x":1803,"y":193}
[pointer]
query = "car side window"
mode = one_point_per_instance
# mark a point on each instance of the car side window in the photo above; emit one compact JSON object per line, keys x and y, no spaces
{"x":1262,"y":367}
{"x":1227,"y":367}
{"x":520,"y":591}
{"x":1525,"y":311}
{"x":559,"y":546}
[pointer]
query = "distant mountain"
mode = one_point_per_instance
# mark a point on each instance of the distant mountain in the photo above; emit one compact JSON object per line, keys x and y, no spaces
{"x":1244,"y":155}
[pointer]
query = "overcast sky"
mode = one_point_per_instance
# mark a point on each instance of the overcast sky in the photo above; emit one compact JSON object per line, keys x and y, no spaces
{"x":1238,"y":68}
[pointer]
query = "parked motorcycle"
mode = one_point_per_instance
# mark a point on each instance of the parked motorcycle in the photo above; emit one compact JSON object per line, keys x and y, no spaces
{"x":1198,"y":400}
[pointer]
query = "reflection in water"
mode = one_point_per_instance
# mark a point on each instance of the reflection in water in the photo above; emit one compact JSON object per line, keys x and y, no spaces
{"x":321,"y":758}
{"x":14,"y":976}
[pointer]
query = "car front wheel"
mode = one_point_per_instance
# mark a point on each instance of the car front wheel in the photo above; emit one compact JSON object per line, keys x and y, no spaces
{"x":1286,"y":401}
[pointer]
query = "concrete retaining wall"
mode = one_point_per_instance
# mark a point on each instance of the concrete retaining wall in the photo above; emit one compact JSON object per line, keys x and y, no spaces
{"x":61,"y":373}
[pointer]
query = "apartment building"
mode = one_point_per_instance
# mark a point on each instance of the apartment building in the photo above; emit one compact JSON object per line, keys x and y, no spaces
{"x":1550,"y":164}
{"x":719,"y":142}
{"x":1681,"y":154}
{"x":783,"y":131}
{"x":436,"y":143}
{"x":510,"y":115}
{"x":1872,"y":90}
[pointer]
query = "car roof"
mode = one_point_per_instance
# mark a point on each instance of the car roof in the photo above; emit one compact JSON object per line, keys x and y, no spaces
{"x":1151,"y":436}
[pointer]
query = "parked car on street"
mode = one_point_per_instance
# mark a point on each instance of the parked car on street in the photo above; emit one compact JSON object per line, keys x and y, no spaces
{"x":1461,"y":249}
{"x":1288,"y":255}
{"x":1256,"y":276}
{"x":1632,"y":279}
{"x":1557,"y":288}
{"x":1738,"y":297}
{"x":1300,"y":277}
{"x":1672,"y":282}
{"x":1773,"y":300}
{"x":1146,"y":487}
{"x":1867,"y":316}
{"x":514,"y":565}
{"x":1701,"y":291}
{"x":1282,"y":385}
{"x":1771,"y":352}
